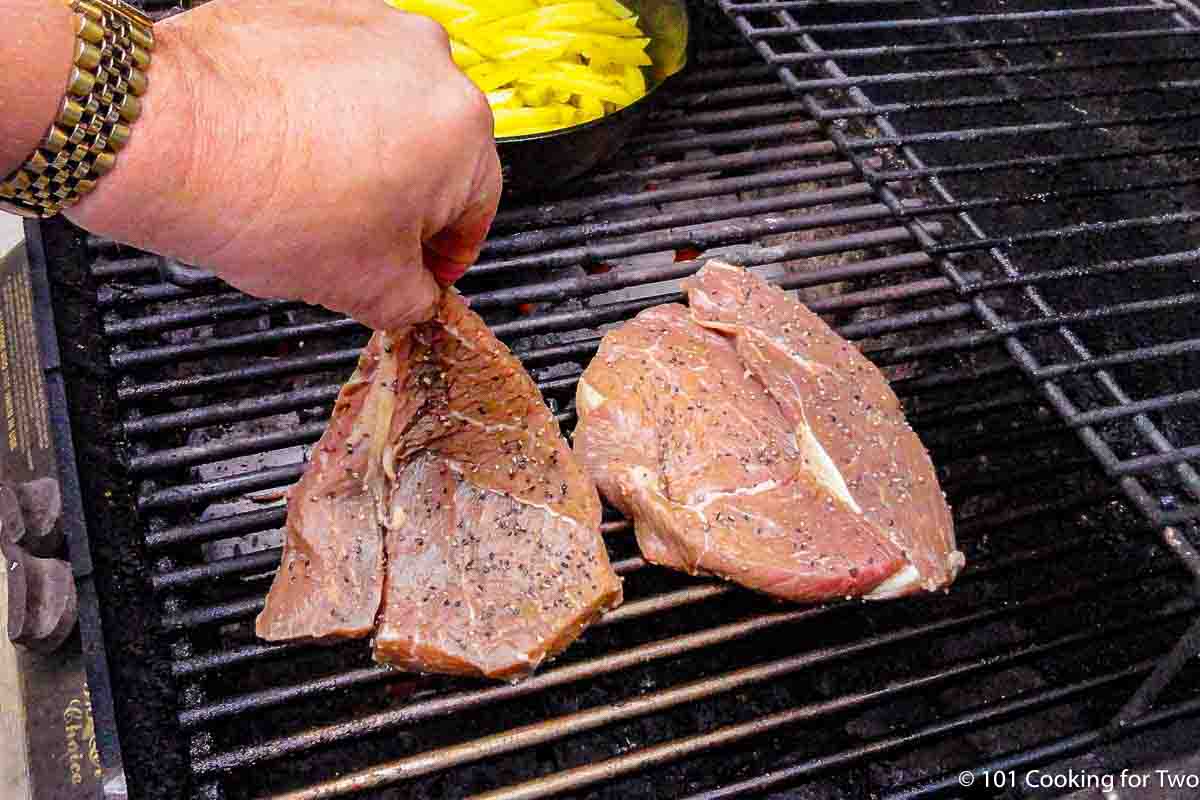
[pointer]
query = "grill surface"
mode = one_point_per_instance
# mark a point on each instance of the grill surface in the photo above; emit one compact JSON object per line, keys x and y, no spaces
{"x":194,"y":407}
{"x":1059,"y":145}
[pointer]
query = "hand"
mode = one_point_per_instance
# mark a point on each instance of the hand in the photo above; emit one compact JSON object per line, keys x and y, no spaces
{"x":326,"y":152}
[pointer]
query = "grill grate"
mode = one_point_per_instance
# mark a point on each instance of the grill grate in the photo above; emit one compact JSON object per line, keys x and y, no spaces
{"x":195,"y":404}
{"x":1017,"y":119}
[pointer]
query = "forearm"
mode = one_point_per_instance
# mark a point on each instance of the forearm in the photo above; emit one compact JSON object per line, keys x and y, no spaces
{"x":36,"y":51}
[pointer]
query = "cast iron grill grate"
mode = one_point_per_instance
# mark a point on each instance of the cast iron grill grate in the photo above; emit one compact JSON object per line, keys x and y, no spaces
{"x":193,"y":406}
{"x":1059,"y":146}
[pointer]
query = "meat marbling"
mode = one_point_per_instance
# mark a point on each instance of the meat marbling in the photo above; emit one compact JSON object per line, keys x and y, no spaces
{"x":747,"y":440}
{"x":443,"y":512}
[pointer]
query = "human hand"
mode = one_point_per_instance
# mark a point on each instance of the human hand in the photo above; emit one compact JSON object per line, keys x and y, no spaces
{"x":331,"y":153}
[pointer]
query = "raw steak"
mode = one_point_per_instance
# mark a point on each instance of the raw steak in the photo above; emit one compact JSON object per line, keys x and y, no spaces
{"x":444,"y":512}
{"x":747,"y":440}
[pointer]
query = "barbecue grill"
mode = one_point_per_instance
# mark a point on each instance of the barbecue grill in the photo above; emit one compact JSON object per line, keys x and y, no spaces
{"x":996,"y":200}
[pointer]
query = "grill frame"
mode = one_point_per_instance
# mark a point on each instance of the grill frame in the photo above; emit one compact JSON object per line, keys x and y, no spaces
{"x":102,"y":377}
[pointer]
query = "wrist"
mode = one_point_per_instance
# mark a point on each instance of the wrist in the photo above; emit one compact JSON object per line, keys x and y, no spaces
{"x":129,"y":202}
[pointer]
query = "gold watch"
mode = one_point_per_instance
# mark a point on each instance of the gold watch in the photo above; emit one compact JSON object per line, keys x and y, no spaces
{"x":113,"y":42}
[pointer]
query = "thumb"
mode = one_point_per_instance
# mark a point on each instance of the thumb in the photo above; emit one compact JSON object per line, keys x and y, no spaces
{"x":451,"y":251}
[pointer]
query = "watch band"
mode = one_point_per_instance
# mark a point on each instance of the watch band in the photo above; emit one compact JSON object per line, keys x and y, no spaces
{"x":113,"y":42}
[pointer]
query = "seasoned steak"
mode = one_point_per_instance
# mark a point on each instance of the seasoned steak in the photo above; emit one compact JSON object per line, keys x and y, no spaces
{"x":748,"y":440}
{"x":444,"y":512}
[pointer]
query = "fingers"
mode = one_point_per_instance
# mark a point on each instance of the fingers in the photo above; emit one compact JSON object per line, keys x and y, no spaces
{"x":409,"y":296}
{"x":453,"y":250}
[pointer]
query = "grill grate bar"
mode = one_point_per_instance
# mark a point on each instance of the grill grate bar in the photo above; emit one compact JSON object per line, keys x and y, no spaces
{"x":753,"y":113}
{"x":195,"y":384}
{"x":702,"y":81}
{"x":231,"y":411}
{"x":560,"y":289}
{"x":539,"y":733}
{"x":1132,"y":466}
{"x":1135,"y":407}
{"x":619,"y":279}
{"x":792,"y":29}
{"x":1038,"y":198}
{"x":1067,"y":231}
{"x":191,"y":455}
{"x":246,"y":654}
{"x":909,"y":387}
{"x":221,"y":307}
{"x":1029,"y":163}
{"x":1180,"y":259}
{"x":125,"y":267}
{"x":958,"y":135}
{"x":223,"y":527}
{"x":261,"y":562}
{"x":996,"y":101}
{"x":101,"y":246}
{"x":1100,"y":312}
{"x":747,"y":225}
{"x":579,"y":777}
{"x":164,"y":354}
{"x":973,"y":45}
{"x":537,"y":240}
{"x":1137,"y":355}
{"x":929,"y":418}
{"x":659,"y":144}
{"x":195,"y":493}
{"x":553,"y":212}
{"x":900,"y":354}
{"x":110,"y":296}
{"x":724,"y":56}
{"x":1016,"y":70}
{"x":737,"y":94}
{"x":1178,"y":514}
{"x":960,"y":446}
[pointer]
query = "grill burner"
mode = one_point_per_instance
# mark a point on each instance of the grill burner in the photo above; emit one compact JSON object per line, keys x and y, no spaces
{"x":194,"y":406}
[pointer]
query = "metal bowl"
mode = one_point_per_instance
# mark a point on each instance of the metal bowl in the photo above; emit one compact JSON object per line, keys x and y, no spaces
{"x":541,"y":161}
